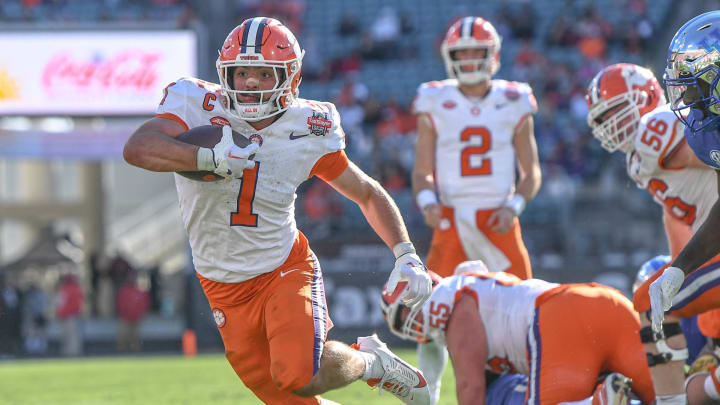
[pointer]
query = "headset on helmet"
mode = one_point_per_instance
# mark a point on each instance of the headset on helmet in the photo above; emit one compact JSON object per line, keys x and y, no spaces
{"x":617,"y":97}
{"x":405,"y":322}
{"x":471,"y":33}
{"x":261,"y":42}
{"x":692,"y":74}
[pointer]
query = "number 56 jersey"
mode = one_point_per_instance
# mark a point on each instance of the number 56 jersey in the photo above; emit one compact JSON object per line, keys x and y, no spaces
{"x":474,"y":152}
{"x":506,"y":306}
{"x":686,"y":193}
{"x":246,"y":227}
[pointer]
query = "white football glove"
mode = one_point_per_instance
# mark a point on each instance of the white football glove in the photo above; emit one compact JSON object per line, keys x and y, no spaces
{"x":409,"y":267}
{"x":662,"y":291}
{"x":227,"y":159}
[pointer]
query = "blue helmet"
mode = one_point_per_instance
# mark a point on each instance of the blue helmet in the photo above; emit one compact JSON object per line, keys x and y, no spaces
{"x":693,"y":72}
{"x":649,"y":268}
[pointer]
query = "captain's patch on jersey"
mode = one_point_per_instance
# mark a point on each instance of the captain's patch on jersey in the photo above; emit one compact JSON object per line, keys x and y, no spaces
{"x":319,"y":123}
{"x":219,"y":317}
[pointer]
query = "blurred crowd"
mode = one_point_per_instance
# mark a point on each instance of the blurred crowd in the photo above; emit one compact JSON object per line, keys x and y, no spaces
{"x":38,"y":298}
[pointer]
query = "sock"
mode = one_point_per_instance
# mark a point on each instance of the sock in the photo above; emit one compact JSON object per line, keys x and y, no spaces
{"x":671,"y":400}
{"x":373,"y":366}
{"x":711,"y":385}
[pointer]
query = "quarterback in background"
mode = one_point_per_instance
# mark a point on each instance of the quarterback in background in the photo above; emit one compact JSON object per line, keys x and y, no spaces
{"x":628,"y":112}
{"x":471,"y":131}
{"x":563,"y":337}
{"x":263,"y":282}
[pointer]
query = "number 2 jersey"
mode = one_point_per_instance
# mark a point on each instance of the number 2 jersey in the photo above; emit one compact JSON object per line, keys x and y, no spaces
{"x":686,"y":193}
{"x":506,"y":306}
{"x":474,"y":153}
{"x":246,"y":227}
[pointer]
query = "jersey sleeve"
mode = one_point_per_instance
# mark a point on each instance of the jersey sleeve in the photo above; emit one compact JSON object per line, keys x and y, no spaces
{"x":523,"y":93}
{"x":176,"y":99}
{"x":330,"y":166}
{"x":530,"y":100}
{"x":424,"y":98}
{"x":336,"y":135}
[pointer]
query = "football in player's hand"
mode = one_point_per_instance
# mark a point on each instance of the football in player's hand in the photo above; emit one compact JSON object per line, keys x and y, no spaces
{"x":207,"y":136}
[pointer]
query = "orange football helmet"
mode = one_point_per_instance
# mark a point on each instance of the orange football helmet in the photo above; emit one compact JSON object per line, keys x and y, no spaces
{"x":471,"y":33}
{"x":617,"y":97}
{"x":261,"y":42}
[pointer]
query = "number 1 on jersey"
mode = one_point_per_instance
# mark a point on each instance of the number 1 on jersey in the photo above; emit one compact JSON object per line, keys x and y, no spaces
{"x":244,"y":216}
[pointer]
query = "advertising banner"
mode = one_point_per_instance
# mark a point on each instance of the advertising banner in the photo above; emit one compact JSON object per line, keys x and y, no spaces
{"x":87,"y":73}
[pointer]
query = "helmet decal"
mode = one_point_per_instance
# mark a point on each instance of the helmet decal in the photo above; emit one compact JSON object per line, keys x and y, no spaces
{"x":252,"y":36}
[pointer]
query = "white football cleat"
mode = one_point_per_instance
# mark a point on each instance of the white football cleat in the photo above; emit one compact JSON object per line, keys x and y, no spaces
{"x":400,"y":379}
{"x":615,"y":390}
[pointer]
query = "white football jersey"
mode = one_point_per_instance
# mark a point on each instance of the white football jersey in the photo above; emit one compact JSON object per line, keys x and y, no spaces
{"x":506,"y":305}
{"x":687,"y":193}
{"x":474,"y":153}
{"x":246,"y":227}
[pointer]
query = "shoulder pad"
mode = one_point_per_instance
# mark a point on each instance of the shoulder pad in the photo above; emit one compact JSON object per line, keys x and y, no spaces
{"x":427,"y":93}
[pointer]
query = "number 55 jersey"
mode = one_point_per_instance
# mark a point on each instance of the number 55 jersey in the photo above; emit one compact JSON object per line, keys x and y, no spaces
{"x":506,"y":305}
{"x":686,"y":193}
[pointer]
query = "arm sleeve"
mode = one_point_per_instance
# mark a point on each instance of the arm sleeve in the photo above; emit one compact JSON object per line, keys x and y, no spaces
{"x":330,"y":166}
{"x":174,"y":104}
{"x":422,"y":104}
{"x":432,"y":358}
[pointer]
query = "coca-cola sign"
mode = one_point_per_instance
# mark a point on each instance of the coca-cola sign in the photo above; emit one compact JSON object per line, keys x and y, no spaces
{"x":134,"y":70}
{"x":92,"y":73}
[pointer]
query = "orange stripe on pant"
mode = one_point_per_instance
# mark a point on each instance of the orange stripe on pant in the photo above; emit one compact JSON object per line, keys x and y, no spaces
{"x":274,"y":325}
{"x":579,"y":331}
{"x":446,"y":251}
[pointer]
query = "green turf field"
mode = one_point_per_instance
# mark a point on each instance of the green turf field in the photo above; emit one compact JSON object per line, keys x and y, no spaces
{"x":205,"y":379}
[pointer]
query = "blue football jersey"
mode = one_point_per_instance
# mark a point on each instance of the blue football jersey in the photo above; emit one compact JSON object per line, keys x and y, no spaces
{"x":705,"y":143}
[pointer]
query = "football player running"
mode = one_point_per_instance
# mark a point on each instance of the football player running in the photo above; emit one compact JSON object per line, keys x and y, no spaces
{"x":628,"y":112}
{"x":693,"y":86}
{"x":471,"y":131}
{"x":263,"y":282}
{"x":499,"y":323}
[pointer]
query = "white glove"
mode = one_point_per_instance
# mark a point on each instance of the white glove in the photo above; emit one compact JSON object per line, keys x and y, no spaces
{"x":662,"y":291}
{"x":227,"y":159}
{"x":409,"y":268}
